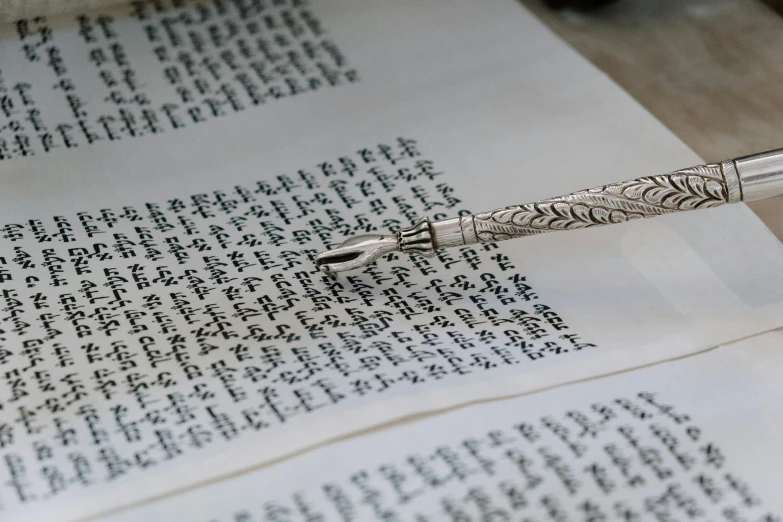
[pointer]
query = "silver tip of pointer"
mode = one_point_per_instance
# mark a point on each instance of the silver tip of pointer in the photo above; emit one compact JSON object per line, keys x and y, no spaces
{"x":356,"y":252}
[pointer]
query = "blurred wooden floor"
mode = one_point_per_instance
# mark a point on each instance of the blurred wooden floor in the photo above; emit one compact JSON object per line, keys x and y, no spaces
{"x":710,"y":70}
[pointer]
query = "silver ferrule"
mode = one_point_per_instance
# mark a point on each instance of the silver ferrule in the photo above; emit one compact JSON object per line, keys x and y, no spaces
{"x":417,"y":238}
{"x":760,"y":175}
{"x":454,"y":232}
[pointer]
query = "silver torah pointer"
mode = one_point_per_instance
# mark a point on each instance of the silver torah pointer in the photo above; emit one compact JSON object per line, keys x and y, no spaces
{"x":749,"y":178}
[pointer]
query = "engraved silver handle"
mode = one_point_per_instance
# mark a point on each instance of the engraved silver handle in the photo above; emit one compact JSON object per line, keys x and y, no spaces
{"x":703,"y":186}
{"x":748,"y":178}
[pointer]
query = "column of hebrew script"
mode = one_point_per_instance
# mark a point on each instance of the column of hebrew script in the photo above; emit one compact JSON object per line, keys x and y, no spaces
{"x":146,"y":334}
{"x":170,"y":169}
{"x":205,"y":61}
{"x":625,"y":448}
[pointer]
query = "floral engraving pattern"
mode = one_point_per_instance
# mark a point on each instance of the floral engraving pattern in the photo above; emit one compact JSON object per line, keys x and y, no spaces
{"x":688,"y":189}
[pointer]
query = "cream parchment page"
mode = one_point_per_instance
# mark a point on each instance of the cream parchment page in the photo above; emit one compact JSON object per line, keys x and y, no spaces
{"x":169,"y":172}
{"x":693,"y":439}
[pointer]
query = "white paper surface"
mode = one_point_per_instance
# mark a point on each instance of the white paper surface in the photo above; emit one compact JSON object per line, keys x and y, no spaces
{"x":505,"y":111}
{"x":673,"y":440}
